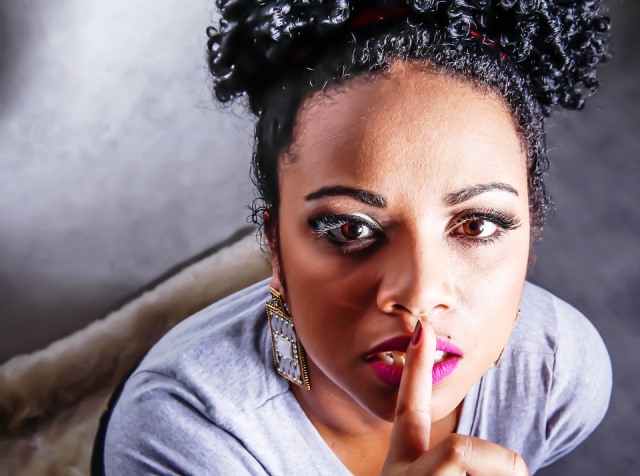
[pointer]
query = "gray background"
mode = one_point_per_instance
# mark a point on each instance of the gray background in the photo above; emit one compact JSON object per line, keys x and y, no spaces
{"x":115,"y":167}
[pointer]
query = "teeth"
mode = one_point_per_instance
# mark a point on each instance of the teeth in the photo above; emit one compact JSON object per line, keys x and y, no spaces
{"x":396,"y":357}
{"x":393,"y":357}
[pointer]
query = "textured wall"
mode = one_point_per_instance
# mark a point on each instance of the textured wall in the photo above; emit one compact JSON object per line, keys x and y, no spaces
{"x":115,"y":167}
{"x":590,"y":254}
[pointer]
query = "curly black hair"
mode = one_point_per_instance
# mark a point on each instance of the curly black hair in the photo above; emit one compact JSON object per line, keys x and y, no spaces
{"x":536,"y":54}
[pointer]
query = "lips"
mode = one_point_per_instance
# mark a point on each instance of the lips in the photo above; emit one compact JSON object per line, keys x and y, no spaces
{"x":387,"y":360}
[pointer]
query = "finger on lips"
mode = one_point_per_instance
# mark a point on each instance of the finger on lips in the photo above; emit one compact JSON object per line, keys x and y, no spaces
{"x":412,"y":426}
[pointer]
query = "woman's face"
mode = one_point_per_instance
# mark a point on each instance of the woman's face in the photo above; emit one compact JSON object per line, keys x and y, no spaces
{"x":402,"y":198}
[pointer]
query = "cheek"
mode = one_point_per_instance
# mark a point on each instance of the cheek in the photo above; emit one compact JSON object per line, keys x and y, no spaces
{"x":490,"y":288}
{"x":326,"y":295}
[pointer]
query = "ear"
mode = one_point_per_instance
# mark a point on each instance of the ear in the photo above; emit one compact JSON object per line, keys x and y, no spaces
{"x":271,"y":234}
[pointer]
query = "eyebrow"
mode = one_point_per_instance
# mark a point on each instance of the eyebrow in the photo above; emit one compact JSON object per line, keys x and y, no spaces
{"x":365,"y":196}
{"x":467,"y":193}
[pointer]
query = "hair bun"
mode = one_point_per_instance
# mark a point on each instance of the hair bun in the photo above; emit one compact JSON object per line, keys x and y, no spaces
{"x":555,"y":44}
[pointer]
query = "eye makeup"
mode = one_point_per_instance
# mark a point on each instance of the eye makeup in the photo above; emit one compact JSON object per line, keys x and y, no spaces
{"x":503,"y":221}
{"x":353,"y":232}
{"x":337,"y":228}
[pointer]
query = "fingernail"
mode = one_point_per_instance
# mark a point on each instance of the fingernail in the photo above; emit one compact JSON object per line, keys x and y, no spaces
{"x":417,"y":334}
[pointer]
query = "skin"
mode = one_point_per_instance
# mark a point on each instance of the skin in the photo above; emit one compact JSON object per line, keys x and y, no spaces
{"x":416,"y":139}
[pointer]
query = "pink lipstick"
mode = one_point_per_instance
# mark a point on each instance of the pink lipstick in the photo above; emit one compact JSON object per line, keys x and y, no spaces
{"x":387,"y":360}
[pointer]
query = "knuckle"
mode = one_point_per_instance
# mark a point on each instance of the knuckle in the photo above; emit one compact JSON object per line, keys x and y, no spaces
{"x":460,"y":448}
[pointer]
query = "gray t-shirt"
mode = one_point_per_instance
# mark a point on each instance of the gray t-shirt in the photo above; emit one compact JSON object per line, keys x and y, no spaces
{"x":207,"y":400}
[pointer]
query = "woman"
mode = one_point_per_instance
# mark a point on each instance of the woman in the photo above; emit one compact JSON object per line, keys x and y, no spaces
{"x":399,"y":158}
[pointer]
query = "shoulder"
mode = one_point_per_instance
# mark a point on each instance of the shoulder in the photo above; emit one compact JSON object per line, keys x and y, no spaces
{"x":554,"y":380}
{"x":552,"y":326}
{"x":218,"y":350}
{"x":189,"y":399}
{"x":581,"y":378}
{"x":160,"y":426}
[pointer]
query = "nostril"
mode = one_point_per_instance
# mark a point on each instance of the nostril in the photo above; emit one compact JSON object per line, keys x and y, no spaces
{"x":400,"y":307}
{"x":394,"y":308}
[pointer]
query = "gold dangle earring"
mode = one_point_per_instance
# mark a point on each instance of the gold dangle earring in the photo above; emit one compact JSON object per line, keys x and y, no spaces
{"x":288,"y":353}
{"x":496,"y":364}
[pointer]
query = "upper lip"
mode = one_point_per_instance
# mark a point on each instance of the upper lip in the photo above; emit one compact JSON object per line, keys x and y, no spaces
{"x":401,"y":343}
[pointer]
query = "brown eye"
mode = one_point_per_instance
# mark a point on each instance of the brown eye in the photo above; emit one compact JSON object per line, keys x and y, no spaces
{"x":476,"y":228}
{"x":352,"y":231}
{"x":473,"y":227}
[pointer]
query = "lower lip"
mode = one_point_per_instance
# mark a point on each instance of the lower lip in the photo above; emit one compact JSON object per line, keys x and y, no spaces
{"x":392,"y":374}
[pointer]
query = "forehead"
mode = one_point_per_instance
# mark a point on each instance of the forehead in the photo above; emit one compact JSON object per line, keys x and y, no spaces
{"x":428,"y":130}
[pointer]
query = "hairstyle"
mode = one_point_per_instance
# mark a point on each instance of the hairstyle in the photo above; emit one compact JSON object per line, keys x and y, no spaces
{"x":535,"y":54}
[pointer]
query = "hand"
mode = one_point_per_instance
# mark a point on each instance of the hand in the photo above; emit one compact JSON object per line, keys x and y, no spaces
{"x":409,"y":452}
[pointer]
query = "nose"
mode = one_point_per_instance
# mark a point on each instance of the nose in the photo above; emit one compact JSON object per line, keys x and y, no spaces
{"x":417,"y":278}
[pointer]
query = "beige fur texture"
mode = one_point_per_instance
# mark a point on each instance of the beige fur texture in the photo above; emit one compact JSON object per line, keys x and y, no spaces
{"x":51,"y":400}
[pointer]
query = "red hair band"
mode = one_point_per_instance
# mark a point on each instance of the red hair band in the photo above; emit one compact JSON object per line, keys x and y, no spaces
{"x":487,"y":41}
{"x":370,"y":16}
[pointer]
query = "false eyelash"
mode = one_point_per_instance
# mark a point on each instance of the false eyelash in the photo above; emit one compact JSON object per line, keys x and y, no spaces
{"x":326,"y":223}
{"x":323,"y":226}
{"x":504,"y":221}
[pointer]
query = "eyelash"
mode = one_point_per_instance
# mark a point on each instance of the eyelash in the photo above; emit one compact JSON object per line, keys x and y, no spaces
{"x":505,"y":222}
{"x":324,"y":225}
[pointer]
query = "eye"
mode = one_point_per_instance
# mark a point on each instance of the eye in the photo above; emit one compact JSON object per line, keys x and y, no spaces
{"x":477,"y":228}
{"x":482,"y":226}
{"x":350,"y":232}
{"x":346,"y":230}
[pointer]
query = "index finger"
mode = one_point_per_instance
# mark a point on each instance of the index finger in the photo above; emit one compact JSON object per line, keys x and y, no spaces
{"x":412,"y":424}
